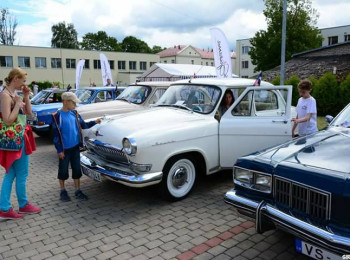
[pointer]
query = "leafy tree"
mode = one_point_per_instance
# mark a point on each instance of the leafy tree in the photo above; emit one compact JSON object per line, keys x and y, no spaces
{"x":64,"y":36}
{"x":294,"y":81}
{"x":301,"y":33}
{"x":8,"y":25}
{"x":132,"y":44}
{"x":99,"y":41}
{"x":345,"y":91}
{"x":156,"y":49}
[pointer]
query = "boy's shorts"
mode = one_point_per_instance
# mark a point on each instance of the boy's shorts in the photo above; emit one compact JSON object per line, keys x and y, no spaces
{"x":72,"y":156}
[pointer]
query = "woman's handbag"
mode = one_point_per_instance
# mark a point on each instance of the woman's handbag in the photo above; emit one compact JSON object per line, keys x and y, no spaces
{"x":11,"y":137}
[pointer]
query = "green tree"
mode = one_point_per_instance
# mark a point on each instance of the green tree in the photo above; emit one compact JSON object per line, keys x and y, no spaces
{"x":99,"y":41}
{"x":8,"y":25}
{"x":345,"y":91}
{"x":64,"y":36}
{"x":156,"y":49}
{"x":294,"y":81}
{"x":301,"y":33}
{"x":132,"y":44}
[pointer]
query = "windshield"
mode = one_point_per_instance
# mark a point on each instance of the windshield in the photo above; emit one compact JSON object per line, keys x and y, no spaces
{"x":343,"y":119}
{"x":135,"y":94}
{"x":198,"y":98}
{"x":83,"y":94}
{"x":40,"y":98}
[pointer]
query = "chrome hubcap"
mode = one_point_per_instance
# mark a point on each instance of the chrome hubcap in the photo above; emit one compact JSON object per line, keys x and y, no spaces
{"x":179,"y":177}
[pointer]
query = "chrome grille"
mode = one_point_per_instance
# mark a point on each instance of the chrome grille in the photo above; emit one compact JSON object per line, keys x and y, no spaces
{"x":302,"y":198}
{"x":106,"y":151}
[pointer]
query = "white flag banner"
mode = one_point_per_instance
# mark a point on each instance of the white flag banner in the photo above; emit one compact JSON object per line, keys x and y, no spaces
{"x":105,"y":69}
{"x":78,"y":73}
{"x":222,"y":54}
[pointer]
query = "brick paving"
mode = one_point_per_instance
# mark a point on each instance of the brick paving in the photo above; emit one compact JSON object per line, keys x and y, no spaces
{"x":119,"y":222}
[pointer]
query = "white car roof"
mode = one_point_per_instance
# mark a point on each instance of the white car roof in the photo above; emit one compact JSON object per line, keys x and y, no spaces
{"x":226,"y":82}
{"x":154,"y":83}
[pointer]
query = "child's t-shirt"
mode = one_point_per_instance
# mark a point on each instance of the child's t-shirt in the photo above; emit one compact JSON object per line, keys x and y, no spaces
{"x":307,"y":106}
{"x":69,"y":129}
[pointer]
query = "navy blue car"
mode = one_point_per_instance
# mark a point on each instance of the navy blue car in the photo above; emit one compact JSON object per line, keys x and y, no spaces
{"x":302,"y":187}
{"x":48,"y":101}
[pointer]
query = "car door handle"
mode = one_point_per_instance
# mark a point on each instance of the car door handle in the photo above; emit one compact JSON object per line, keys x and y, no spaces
{"x":280,"y":121}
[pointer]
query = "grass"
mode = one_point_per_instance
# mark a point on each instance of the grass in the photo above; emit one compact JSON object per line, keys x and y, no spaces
{"x":321,"y":123}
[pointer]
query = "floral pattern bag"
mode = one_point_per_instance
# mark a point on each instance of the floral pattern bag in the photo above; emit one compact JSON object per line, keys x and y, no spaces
{"x":11,"y":137}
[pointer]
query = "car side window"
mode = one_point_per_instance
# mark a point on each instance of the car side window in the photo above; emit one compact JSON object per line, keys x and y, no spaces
{"x":260,"y":103}
{"x":156,"y":96}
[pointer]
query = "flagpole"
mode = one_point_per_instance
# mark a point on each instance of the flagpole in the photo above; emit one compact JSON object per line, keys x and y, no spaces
{"x":283,"y":47}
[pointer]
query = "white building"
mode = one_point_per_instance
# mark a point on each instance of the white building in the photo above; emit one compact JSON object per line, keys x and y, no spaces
{"x":244,"y":67}
{"x":187,"y":54}
{"x":334,"y":35}
{"x":59,"y":65}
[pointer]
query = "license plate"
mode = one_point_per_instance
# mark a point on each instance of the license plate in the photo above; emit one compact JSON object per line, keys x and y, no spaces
{"x":314,"y":251}
{"x":92,"y":174}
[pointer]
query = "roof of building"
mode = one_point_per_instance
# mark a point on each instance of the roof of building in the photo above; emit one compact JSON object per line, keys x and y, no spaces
{"x":320,"y":48}
{"x":174,"y":51}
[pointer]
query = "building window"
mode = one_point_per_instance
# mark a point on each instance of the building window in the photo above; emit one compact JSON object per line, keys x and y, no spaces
{"x":347,"y":38}
{"x":207,"y":63}
{"x":244,"y":77}
{"x":23,"y":62}
{"x":143,"y":65}
{"x":173,"y":61}
{"x":6,"y":61}
{"x":165,"y":61}
{"x":40,"y":62}
{"x":332,"y":40}
{"x":121,"y":64}
{"x":70,"y":63}
{"x":97,"y":64}
{"x":212,"y":63}
{"x":87,"y":64}
{"x":132,"y":65}
{"x":245,"y":64}
{"x":245,"y":49}
{"x":56,"y":63}
{"x":192,"y":61}
{"x":111,"y":64}
{"x":151,"y":63}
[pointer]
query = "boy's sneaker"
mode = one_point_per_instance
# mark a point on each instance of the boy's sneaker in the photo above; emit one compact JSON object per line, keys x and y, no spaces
{"x":29,"y":209}
{"x":64,"y":196}
{"x":10,"y":214}
{"x":80,"y":195}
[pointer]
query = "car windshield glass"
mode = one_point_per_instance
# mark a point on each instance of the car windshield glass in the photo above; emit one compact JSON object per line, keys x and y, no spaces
{"x":83,"y":94}
{"x":198,"y":98}
{"x":41,"y":97}
{"x":343,"y":119}
{"x":135,"y":94}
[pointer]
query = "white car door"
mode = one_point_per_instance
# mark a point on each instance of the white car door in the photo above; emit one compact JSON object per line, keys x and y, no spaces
{"x":259,"y":118}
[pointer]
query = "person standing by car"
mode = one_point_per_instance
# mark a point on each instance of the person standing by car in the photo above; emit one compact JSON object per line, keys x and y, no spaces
{"x":67,"y":125}
{"x":1,"y":85}
{"x":35,"y":88}
{"x":16,"y":163}
{"x":306,"y":119}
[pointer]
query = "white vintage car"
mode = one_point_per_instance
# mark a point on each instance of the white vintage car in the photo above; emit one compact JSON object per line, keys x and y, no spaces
{"x":134,"y":97}
{"x":182,"y":137}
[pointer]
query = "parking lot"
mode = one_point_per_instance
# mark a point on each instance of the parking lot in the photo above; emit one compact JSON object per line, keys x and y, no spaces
{"x":119,"y":222}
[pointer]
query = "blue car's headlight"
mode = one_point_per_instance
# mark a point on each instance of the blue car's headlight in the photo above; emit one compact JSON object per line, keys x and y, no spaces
{"x":252,"y":179}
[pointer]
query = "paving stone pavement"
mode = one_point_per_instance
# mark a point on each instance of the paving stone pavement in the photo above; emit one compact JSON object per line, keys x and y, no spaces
{"x":119,"y":222}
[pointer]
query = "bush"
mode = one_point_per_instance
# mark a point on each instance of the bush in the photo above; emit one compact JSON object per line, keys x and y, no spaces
{"x":46,"y":84}
{"x":327,"y":95}
{"x":345,"y":91}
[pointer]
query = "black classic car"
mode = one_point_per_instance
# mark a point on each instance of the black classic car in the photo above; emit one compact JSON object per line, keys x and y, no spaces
{"x":302,"y":187}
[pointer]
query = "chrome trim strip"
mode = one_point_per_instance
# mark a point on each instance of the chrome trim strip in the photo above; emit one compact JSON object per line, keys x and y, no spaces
{"x":289,"y":222}
{"x":39,"y":126}
{"x":122,"y":175}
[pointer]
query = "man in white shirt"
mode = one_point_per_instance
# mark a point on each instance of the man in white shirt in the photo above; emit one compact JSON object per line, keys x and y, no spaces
{"x":1,"y":85}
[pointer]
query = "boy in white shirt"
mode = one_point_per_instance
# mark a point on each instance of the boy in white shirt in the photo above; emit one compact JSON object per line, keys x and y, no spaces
{"x":306,"y":119}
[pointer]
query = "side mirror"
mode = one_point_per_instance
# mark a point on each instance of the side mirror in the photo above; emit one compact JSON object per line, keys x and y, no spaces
{"x":328,"y":118}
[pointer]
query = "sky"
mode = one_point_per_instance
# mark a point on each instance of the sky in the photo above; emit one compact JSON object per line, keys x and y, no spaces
{"x":157,"y":22}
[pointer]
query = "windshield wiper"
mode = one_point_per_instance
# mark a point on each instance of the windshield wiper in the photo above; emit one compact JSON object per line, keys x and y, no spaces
{"x":181,"y":106}
{"x":124,"y":99}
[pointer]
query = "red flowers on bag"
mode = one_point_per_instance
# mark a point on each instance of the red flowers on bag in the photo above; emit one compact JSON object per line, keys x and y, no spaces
{"x":10,"y":133}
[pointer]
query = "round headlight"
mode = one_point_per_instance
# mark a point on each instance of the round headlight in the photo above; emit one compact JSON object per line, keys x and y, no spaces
{"x":129,"y":146}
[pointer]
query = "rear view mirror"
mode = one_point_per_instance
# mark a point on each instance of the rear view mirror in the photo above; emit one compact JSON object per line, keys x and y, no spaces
{"x":328,"y":118}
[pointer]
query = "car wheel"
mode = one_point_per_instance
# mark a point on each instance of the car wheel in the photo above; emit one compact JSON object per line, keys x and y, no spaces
{"x":179,"y":176}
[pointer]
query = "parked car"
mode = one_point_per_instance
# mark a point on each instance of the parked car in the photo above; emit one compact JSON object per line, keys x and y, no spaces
{"x":49,"y":100}
{"x":302,"y":187}
{"x":181,"y":137}
{"x":137,"y":96}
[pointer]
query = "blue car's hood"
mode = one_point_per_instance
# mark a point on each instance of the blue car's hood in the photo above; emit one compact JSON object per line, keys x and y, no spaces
{"x":327,"y":149}
{"x":42,"y":107}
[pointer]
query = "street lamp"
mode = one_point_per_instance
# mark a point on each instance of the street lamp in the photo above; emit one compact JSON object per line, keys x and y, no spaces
{"x":60,"y":41}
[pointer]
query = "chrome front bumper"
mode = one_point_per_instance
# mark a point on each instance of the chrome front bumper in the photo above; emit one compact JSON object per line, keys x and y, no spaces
{"x":121,"y":174}
{"x":266,"y":214}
